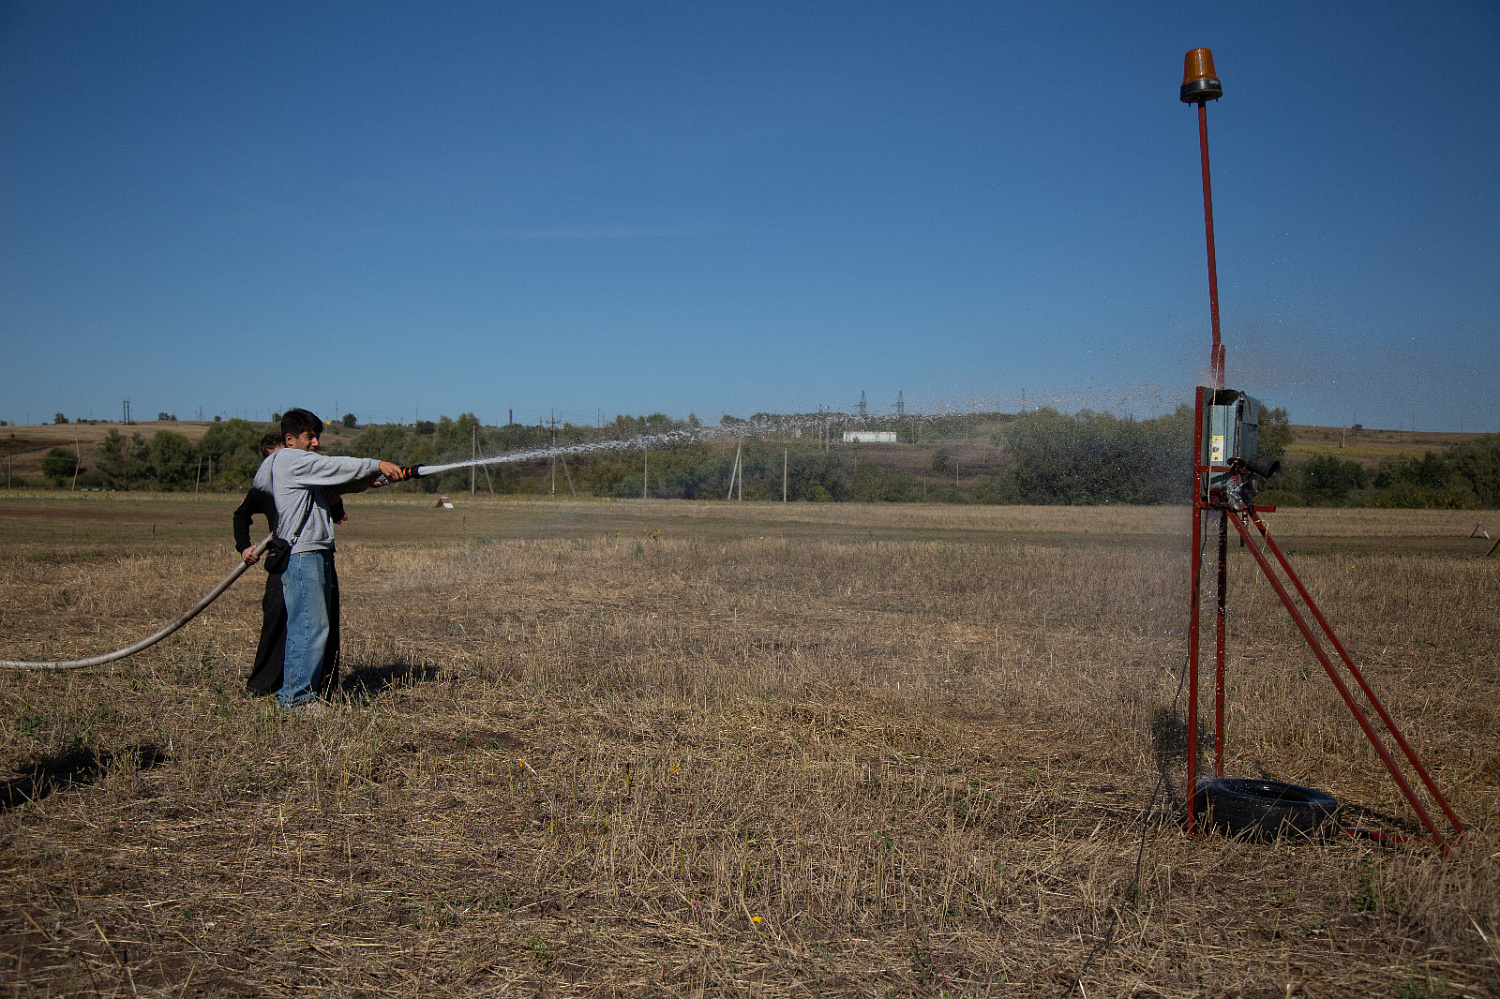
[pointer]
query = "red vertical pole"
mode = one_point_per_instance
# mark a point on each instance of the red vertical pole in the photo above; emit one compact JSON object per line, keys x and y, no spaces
{"x":1194,"y":601}
{"x":1219,"y":645}
{"x":1216,"y":359}
{"x":1200,"y":84}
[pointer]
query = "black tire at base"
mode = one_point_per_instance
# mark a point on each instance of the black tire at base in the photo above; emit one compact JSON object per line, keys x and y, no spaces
{"x":1263,"y":809}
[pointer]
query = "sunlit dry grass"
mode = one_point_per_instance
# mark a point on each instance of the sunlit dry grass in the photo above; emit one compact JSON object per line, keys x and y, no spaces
{"x":721,"y":760}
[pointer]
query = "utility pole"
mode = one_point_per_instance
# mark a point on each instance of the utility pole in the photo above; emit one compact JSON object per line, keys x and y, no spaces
{"x":784,"y":453}
{"x":553,"y":413}
{"x":473,"y":453}
{"x":734,"y":471}
{"x":645,"y":467}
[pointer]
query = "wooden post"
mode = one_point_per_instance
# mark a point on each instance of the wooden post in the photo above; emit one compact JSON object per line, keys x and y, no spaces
{"x":645,"y":467}
{"x":784,"y":453}
{"x":78,"y":459}
{"x":473,"y":454}
{"x":737,"y":474}
{"x":554,"y":455}
{"x":569,"y":475}
{"x":197,"y":474}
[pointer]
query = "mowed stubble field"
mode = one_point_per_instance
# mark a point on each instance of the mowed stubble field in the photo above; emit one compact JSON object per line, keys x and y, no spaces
{"x":659,"y":748}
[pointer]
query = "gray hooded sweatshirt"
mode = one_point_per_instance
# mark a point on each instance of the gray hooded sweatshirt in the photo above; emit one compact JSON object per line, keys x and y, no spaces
{"x":295,"y":478}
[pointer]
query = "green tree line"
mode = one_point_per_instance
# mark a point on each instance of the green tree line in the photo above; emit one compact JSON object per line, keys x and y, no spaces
{"x":1047,"y":457}
{"x":1466,"y":476}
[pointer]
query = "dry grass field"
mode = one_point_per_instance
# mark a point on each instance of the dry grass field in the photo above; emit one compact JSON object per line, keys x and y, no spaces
{"x":657,"y":748}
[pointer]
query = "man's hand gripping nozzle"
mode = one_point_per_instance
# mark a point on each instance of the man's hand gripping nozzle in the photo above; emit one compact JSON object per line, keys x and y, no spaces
{"x":407,"y":472}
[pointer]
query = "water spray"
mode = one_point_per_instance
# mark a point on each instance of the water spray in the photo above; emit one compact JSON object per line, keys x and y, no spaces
{"x":671,"y":438}
{"x":1228,"y":471}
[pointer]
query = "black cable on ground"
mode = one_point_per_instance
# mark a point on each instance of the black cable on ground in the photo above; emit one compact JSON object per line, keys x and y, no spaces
{"x":1130,"y":890}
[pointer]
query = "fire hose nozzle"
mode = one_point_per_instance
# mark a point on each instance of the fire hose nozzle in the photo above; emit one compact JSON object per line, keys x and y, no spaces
{"x":407,"y":472}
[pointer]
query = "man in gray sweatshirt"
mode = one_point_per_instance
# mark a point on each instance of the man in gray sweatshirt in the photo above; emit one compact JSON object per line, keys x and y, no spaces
{"x":299,"y":479}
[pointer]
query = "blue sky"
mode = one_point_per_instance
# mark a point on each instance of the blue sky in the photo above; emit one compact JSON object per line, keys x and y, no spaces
{"x":711,"y":207}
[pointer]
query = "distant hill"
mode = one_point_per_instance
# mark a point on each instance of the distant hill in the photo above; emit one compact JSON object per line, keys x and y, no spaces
{"x":1368,"y":446}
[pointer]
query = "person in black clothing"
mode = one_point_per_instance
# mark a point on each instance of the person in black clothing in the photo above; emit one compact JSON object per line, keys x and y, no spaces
{"x":265,"y":675}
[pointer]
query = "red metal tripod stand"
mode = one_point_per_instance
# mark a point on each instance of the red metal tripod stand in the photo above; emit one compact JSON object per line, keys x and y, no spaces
{"x":1219,"y":489}
{"x":1225,"y":502}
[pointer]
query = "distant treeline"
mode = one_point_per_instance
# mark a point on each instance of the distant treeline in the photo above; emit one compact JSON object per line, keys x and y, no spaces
{"x":1044,"y":457}
{"x":1466,"y":476}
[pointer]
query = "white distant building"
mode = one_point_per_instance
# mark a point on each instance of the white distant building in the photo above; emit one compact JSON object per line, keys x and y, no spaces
{"x":869,"y":436}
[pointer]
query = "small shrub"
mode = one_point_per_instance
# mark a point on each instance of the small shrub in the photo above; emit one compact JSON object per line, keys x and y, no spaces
{"x":59,"y":465}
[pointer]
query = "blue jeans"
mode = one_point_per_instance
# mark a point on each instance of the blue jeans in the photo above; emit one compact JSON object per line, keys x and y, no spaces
{"x":306,"y":586}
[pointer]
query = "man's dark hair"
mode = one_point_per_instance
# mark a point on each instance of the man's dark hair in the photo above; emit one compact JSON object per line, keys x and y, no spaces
{"x":295,"y":422}
{"x":270,"y":441}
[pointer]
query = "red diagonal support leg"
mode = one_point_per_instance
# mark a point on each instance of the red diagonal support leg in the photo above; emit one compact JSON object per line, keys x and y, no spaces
{"x":1338,"y":682}
{"x":1359,"y":677}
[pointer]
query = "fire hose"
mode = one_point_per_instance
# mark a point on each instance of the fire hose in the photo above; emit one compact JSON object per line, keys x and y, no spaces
{"x":146,"y":643}
{"x":192,"y":612}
